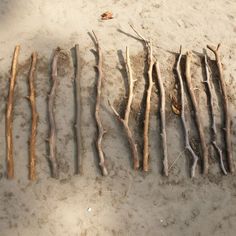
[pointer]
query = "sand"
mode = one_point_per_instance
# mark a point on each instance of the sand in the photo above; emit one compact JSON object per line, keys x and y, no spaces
{"x":125,"y":202}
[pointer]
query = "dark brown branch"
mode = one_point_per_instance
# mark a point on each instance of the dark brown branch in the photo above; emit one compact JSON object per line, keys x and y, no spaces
{"x":9,"y":114}
{"x":53,"y":136}
{"x":196,"y":112}
{"x":183,"y":120}
{"x":227,"y":118}
{"x":125,"y":121}
{"x":32,"y":158}
{"x":101,"y":130}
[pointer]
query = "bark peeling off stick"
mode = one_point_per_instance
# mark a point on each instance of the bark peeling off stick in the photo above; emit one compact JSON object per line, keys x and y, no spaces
{"x":101,"y":130}
{"x":196,"y":112}
{"x":52,"y":137}
{"x":162,"y":118}
{"x":227,"y":119}
{"x":9,"y":114}
{"x":32,"y":158}
{"x":125,"y":121}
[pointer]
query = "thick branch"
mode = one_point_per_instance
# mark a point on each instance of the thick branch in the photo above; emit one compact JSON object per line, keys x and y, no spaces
{"x":9,"y":114}
{"x":183,"y":120}
{"x":196,"y":112}
{"x":101,"y":130}
{"x":32,"y":158}
{"x":227,"y":118}
{"x":162,"y":118}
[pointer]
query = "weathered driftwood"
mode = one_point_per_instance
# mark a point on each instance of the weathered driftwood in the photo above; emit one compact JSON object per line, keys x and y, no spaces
{"x":148,"y":45}
{"x":100,"y":128}
{"x":53,"y":135}
{"x":196,"y":112}
{"x":183,"y":119}
{"x":31,"y":97}
{"x":227,"y":119}
{"x":162,"y":117}
{"x":9,"y":114}
{"x":125,"y":121}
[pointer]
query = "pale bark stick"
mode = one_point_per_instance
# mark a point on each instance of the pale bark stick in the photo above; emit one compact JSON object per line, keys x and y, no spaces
{"x":162,"y":118}
{"x":100,"y":128}
{"x":9,"y":115}
{"x":148,"y":45}
{"x":53,"y":135}
{"x":183,"y":119}
{"x":227,"y":118}
{"x":31,"y":97}
{"x":78,"y":111}
{"x":125,"y":121}
{"x":196,"y":112}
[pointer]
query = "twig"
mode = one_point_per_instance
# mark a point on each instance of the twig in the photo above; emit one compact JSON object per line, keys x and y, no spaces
{"x":9,"y":114}
{"x":183,"y":120}
{"x":78,"y":111}
{"x":101,"y":130}
{"x":125,"y":121}
{"x":213,"y":124}
{"x":148,"y":45}
{"x":162,"y":117}
{"x":196,"y":112}
{"x":32,"y":158}
{"x":227,"y":119}
{"x":51,"y":97}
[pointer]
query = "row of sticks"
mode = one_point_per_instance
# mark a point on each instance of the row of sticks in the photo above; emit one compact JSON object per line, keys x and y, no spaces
{"x":153,"y":66}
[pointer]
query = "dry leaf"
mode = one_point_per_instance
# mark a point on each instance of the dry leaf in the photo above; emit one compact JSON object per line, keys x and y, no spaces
{"x":176,"y":108}
{"x":107,"y":15}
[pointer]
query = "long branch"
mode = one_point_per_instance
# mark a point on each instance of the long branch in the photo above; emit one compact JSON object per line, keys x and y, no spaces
{"x":196,"y":112}
{"x":32,"y":157}
{"x":183,"y":119}
{"x":9,"y":114}
{"x":227,"y":118}
{"x":100,"y":128}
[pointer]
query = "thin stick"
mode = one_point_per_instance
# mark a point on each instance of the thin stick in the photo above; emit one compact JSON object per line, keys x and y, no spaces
{"x":183,"y":120}
{"x":32,"y":158}
{"x":125,"y":121}
{"x":78,"y":111}
{"x":227,"y":119}
{"x":101,"y":130}
{"x":51,"y":97}
{"x":9,"y":114}
{"x":148,"y":99}
{"x":213,"y":122}
{"x":196,"y":112}
{"x":162,"y":118}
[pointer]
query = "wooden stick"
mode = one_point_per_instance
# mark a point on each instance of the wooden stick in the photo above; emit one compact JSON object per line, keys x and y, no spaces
{"x":125,"y":121}
{"x":9,"y":114}
{"x":32,"y":158}
{"x":213,"y":122}
{"x":78,"y":111}
{"x":53,"y":136}
{"x":227,"y":119}
{"x":162,"y":118}
{"x":101,"y":130}
{"x":183,"y":119}
{"x":148,"y":99}
{"x":196,"y":112}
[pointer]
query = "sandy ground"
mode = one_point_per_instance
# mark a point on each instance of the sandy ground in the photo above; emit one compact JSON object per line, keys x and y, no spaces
{"x":125,"y":202}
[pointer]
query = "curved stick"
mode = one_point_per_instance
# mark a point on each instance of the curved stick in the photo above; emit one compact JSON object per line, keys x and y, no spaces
{"x":125,"y":121}
{"x":183,"y":120}
{"x":196,"y":112}
{"x":162,"y":118}
{"x":227,"y":119}
{"x":51,"y":97}
{"x":9,"y":114}
{"x":101,"y":130}
{"x":32,"y":158}
{"x":213,"y":122}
